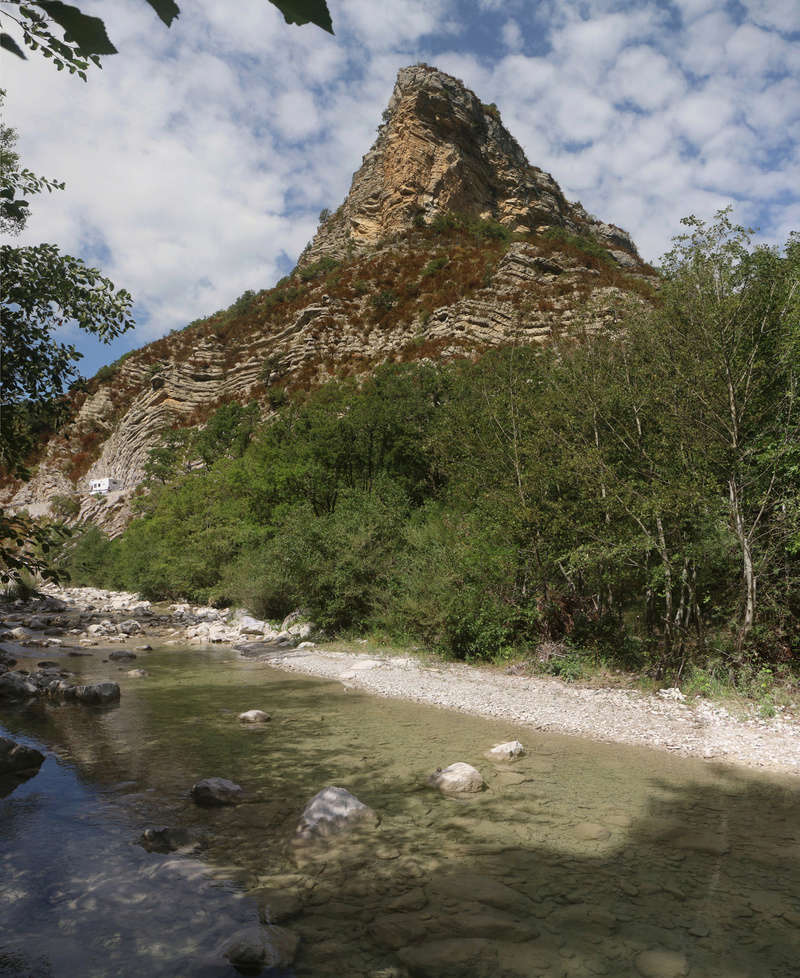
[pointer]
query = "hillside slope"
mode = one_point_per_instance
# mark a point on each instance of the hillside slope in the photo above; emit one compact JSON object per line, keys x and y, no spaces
{"x":448,"y":243}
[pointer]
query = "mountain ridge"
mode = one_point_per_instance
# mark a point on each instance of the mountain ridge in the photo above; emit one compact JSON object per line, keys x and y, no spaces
{"x":448,"y":243}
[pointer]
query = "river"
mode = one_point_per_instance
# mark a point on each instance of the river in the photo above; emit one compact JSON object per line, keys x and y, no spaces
{"x":579,"y":859}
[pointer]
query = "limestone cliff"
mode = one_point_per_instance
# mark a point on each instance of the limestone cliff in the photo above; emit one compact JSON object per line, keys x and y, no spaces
{"x":392,"y":275}
{"x":439,"y":150}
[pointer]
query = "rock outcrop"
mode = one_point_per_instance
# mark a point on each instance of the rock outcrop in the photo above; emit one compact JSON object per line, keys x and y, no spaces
{"x":385,"y":278}
{"x":441,"y":150}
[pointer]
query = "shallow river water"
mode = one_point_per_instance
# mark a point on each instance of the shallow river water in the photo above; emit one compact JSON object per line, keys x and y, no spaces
{"x":579,"y":859}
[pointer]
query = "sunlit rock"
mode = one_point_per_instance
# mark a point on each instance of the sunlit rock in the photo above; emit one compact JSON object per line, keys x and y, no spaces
{"x":457,"y":778}
{"x":137,"y":673}
{"x":130,"y":626}
{"x":254,"y":716}
{"x":330,"y":811}
{"x":216,"y":791}
{"x":509,"y":751}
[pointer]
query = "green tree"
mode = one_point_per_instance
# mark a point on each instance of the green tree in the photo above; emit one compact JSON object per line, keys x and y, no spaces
{"x":40,"y":290}
{"x":74,"y":40}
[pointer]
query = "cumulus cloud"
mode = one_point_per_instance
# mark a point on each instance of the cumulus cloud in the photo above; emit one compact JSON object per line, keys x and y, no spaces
{"x":198,"y":159}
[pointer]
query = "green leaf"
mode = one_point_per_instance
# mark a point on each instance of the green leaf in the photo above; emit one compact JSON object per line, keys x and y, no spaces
{"x":8,"y":43}
{"x":87,"y":33}
{"x":305,"y":12}
{"x":167,"y":10}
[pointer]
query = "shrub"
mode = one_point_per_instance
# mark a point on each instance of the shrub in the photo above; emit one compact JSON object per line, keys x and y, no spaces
{"x":65,"y":506}
{"x":383,"y":300}
{"x":434,"y":265}
{"x":316,"y":269}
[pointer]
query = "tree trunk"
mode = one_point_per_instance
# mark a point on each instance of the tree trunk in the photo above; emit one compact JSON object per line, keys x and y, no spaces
{"x":748,"y":571}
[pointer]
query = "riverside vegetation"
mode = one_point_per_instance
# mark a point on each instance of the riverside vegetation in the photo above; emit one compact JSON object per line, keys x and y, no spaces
{"x":629,"y":497}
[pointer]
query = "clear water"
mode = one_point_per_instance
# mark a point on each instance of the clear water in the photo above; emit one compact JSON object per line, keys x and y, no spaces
{"x":579,"y":859}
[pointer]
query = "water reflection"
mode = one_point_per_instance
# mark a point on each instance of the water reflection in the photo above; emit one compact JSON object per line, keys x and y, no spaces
{"x":580,"y":859}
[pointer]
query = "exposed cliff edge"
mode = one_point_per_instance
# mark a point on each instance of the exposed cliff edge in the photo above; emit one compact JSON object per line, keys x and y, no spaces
{"x":392,"y":275}
{"x":440,"y":149}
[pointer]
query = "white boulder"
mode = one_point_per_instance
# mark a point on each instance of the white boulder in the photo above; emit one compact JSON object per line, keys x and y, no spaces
{"x":507,"y":752}
{"x":458,"y":778}
{"x":254,"y":716}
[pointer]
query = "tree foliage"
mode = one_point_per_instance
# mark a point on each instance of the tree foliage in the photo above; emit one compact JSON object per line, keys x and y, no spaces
{"x":41,"y":290}
{"x":71,"y":39}
{"x":578,"y":494}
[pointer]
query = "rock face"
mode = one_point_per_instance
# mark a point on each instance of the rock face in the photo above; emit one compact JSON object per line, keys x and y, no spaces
{"x":440,"y":150}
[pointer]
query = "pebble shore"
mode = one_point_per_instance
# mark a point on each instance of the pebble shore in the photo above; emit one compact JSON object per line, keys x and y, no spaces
{"x":666,"y":720}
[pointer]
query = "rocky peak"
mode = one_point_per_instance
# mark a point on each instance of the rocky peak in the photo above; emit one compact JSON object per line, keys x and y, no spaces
{"x":440,"y":149}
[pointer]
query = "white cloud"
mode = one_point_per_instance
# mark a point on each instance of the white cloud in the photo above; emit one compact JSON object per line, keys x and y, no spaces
{"x":781,"y":15}
{"x":201,"y":155}
{"x":645,"y":77}
{"x":512,"y":36}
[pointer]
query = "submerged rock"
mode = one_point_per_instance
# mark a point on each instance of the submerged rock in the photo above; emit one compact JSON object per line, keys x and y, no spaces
{"x":254,"y":716}
{"x":121,"y":654}
{"x":254,"y":948}
{"x":96,"y":694}
{"x":216,"y":791}
{"x":507,"y":752}
{"x":660,"y":963}
{"x":17,"y":758}
{"x":165,"y":839}
{"x":457,"y":778}
{"x":330,"y":811}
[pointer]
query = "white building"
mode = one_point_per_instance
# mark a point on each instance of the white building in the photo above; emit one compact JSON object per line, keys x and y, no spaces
{"x":104,"y":485}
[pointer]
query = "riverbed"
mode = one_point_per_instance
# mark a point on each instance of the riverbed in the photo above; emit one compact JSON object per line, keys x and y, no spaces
{"x":579,"y":859}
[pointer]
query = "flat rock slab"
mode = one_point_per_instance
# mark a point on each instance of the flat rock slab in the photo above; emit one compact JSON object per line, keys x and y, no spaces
{"x":331,"y":811}
{"x":216,"y":791}
{"x":458,"y":778}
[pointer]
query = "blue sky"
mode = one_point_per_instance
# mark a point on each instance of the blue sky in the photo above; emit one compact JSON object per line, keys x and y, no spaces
{"x":198,"y":159}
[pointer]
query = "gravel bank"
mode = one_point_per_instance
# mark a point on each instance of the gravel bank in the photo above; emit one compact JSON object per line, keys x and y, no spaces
{"x":88,"y":617}
{"x":663,"y":721}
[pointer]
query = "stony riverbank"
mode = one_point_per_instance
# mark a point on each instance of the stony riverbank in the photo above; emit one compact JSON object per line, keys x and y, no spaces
{"x":81,"y":618}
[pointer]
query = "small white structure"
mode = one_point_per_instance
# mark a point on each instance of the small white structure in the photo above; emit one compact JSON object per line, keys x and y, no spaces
{"x":104,"y":485}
